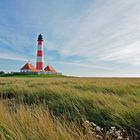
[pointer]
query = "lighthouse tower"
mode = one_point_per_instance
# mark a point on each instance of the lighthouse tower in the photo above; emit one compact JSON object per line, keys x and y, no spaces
{"x":40,"y":59}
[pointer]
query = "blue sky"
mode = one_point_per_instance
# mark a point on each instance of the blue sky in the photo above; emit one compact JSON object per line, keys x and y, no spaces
{"x":81,"y":37}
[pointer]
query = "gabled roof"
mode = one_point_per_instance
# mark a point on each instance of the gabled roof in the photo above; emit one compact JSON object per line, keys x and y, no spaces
{"x":50,"y":69}
{"x":29,"y":66}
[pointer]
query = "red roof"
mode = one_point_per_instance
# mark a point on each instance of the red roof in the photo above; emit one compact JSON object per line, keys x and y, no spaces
{"x":50,"y":69}
{"x":29,"y":66}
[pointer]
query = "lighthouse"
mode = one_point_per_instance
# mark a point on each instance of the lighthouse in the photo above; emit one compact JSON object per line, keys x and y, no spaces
{"x":29,"y":68}
{"x":40,"y":58}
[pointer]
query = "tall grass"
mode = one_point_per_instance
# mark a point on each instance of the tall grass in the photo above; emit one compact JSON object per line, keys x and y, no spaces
{"x":107,"y":102}
{"x":25,"y":123}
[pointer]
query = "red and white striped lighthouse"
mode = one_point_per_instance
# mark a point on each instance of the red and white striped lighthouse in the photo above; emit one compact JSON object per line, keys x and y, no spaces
{"x":40,"y":59}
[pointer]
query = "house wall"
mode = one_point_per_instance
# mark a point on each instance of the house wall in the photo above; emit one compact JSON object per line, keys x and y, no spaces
{"x":26,"y":70}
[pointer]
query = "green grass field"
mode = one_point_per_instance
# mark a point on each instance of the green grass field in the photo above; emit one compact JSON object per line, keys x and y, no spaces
{"x":31,"y":75}
{"x":104,"y":101}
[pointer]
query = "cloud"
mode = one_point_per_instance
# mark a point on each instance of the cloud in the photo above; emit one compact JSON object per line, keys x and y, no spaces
{"x":129,"y":54}
{"x":12,"y":56}
{"x":95,"y":34}
{"x":81,"y":65}
{"x":107,"y":31}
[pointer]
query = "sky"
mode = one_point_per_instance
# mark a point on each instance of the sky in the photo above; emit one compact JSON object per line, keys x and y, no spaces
{"x":91,"y":38}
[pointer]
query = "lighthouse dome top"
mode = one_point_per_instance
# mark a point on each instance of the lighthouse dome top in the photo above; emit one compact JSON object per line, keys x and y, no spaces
{"x":40,"y":37}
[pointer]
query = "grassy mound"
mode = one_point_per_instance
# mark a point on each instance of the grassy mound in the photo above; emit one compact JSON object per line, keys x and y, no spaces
{"x":31,"y":75}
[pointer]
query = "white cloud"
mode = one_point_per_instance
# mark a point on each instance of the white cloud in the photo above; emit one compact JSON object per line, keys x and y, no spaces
{"x":106,"y":33}
{"x":108,"y":30}
{"x":81,"y":65}
{"x":12,"y":56}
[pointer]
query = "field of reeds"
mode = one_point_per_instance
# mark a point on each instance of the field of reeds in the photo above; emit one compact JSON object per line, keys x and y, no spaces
{"x":57,"y":108}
